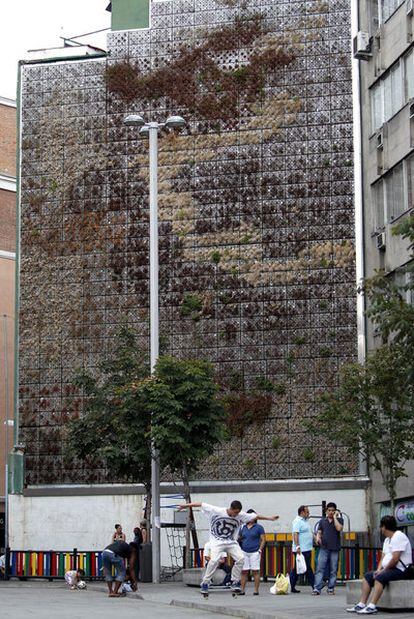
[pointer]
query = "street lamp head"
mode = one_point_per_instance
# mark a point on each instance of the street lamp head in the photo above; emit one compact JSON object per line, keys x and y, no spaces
{"x":174,"y":122}
{"x":144,"y":132}
{"x":134,"y":120}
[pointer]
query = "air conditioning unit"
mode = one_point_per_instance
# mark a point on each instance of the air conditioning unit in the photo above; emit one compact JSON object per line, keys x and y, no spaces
{"x":381,"y":241}
{"x":409,"y":6}
{"x":362,"y":46}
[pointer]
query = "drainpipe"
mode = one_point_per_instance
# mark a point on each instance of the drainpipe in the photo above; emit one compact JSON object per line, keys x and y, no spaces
{"x":359,"y":227}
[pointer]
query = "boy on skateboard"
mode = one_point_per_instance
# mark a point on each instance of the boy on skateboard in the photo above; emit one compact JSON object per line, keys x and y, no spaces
{"x":225,"y":524}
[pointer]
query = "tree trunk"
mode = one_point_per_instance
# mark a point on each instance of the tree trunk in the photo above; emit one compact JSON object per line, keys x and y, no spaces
{"x":190,"y":523}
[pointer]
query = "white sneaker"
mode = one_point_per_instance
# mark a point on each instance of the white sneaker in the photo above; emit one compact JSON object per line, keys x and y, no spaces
{"x":368,"y":610}
{"x":355,"y":609}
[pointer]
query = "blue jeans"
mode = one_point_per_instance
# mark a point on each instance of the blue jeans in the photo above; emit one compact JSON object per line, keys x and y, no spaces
{"x":109,"y":560}
{"x":326,"y":556}
{"x":309,"y":573}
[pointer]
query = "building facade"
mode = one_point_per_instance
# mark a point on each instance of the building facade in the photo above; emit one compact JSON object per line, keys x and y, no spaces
{"x":257,"y":256}
{"x":7,"y":287}
{"x":386,"y":52}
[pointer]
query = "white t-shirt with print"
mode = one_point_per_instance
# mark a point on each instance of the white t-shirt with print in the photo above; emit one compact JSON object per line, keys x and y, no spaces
{"x":224,"y":529}
{"x":398,"y":542}
{"x":71,"y":577}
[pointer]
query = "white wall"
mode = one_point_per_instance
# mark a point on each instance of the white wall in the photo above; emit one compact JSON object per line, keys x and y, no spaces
{"x":63,"y":523}
{"x":285,"y":504}
{"x":86,"y":522}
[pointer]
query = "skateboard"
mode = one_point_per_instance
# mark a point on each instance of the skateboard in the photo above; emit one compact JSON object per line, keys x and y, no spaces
{"x":205,"y":594}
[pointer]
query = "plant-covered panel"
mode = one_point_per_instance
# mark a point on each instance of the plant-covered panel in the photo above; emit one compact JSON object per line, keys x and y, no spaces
{"x":256,"y":224}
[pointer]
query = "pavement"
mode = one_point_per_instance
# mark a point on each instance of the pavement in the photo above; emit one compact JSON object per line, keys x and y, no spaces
{"x":44,"y":600}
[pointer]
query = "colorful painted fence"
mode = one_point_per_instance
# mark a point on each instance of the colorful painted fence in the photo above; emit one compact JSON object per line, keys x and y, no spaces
{"x":53,"y":564}
{"x":354,"y":561}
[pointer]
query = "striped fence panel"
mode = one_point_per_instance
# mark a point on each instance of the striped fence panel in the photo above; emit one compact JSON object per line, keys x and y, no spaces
{"x":354,"y":561}
{"x":54,"y":563}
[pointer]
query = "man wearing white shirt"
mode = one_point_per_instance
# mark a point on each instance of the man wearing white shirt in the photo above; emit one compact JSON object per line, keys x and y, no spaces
{"x":225,"y":524}
{"x":396,"y":556}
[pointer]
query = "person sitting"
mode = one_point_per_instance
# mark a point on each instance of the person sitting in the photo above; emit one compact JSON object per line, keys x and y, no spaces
{"x":396,"y":556}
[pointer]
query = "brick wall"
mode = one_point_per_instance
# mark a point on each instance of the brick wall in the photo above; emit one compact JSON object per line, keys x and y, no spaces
{"x":7,"y":140}
{"x":7,"y":220}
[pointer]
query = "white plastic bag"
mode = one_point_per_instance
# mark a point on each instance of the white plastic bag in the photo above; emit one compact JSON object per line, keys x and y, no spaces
{"x":300,"y":564}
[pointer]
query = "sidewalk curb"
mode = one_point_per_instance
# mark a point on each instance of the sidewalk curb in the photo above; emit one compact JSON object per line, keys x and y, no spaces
{"x":233,"y":612}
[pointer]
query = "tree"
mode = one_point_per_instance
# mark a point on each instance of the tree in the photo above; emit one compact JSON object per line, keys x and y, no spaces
{"x":188,"y":419}
{"x":126,"y":410}
{"x":372,"y":411}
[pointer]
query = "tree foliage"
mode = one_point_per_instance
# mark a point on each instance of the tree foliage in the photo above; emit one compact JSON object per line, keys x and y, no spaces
{"x":126,"y":409}
{"x":372,"y":411}
{"x":188,"y":417}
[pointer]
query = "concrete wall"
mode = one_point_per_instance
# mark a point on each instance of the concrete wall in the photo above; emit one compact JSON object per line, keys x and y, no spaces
{"x":74,"y":521}
{"x":86,"y":522}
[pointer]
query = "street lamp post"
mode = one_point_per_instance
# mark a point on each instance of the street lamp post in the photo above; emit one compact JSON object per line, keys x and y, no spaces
{"x":151,"y":130}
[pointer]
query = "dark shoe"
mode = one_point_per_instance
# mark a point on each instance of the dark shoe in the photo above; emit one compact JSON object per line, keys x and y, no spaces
{"x":235,"y":586}
{"x":294,"y":591}
{"x":255,"y":593}
{"x":242,"y":593}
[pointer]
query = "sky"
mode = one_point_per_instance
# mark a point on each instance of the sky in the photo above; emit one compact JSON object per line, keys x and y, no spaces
{"x":34,"y":24}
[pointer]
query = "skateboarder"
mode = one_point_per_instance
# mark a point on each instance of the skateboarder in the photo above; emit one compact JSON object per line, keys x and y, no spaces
{"x":225,"y":525}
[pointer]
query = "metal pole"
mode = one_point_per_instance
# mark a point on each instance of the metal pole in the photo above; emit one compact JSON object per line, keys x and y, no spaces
{"x":154,"y":340}
{"x":6,"y":436}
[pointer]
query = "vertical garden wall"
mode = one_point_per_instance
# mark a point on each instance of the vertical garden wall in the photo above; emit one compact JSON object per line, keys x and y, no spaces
{"x":256,"y":224}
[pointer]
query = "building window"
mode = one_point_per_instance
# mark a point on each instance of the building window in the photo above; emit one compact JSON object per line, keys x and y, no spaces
{"x":390,"y":93}
{"x":387,"y":8}
{"x":394,"y":189}
{"x":409,"y":167}
{"x":403,"y":279}
{"x":393,"y":194}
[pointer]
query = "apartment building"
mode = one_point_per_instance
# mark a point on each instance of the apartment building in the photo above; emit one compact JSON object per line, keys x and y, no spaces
{"x":385,"y":48}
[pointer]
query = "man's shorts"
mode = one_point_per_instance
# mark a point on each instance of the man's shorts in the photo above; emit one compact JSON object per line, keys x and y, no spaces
{"x":385,"y":576}
{"x":252,"y":561}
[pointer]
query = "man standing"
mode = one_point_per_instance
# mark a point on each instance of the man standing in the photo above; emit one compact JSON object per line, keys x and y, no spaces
{"x":224,"y":531}
{"x":252,"y":541}
{"x":302,"y":544}
{"x":328,"y":538}
{"x":396,"y":556}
